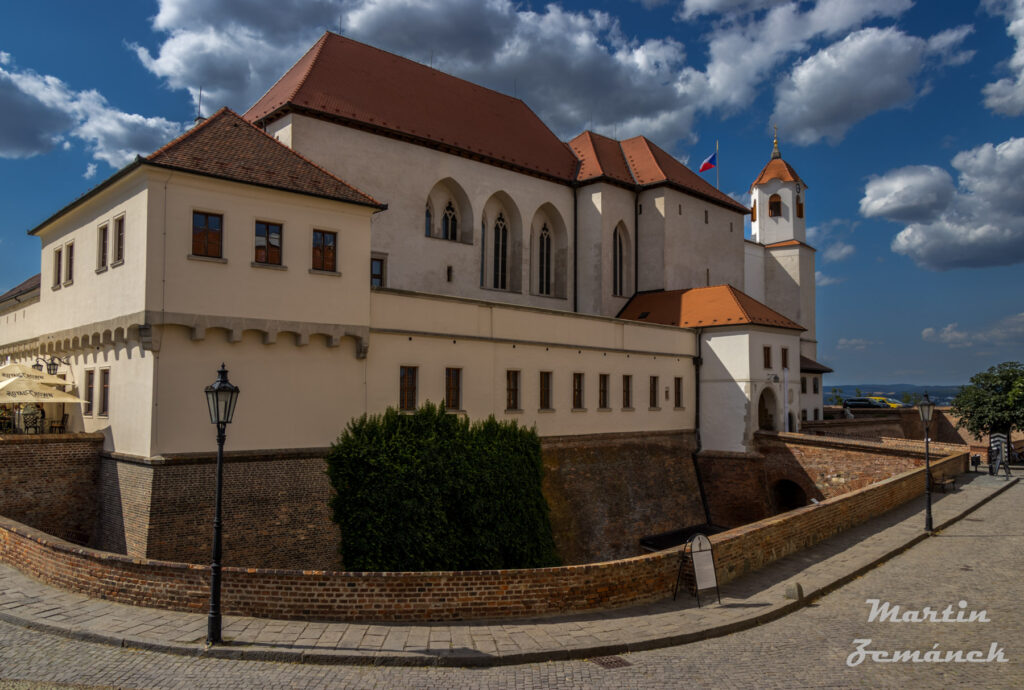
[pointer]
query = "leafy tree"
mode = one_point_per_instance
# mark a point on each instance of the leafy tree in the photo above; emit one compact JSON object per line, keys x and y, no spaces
{"x":911,"y":398}
{"x":837,"y":397}
{"x":993,"y":402}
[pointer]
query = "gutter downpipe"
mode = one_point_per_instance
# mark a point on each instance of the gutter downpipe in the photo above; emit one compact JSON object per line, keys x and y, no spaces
{"x":698,"y":447}
{"x":636,"y":241}
{"x":575,"y":249}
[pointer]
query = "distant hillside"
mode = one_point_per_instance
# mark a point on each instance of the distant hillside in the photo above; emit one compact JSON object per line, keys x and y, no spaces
{"x":941,"y":395}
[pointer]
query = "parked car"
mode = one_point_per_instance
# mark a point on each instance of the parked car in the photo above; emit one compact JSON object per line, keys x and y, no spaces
{"x":864,"y":402}
{"x":888,"y":402}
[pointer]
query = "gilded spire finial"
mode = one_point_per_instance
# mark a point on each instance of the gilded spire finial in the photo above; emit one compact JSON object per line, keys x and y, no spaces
{"x":775,"y":144}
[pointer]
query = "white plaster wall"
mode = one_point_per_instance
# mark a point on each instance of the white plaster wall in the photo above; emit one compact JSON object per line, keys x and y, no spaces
{"x":652,"y":240}
{"x":24,"y":323}
{"x":782,"y":272}
{"x":402,"y":175}
{"x":699,"y":253}
{"x":601,"y":208}
{"x":753,"y":271}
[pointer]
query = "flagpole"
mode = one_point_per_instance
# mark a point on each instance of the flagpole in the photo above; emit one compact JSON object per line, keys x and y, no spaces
{"x":716,"y":164}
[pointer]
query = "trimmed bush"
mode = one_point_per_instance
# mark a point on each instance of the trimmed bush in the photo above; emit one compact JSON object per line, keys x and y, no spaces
{"x":431,"y":491}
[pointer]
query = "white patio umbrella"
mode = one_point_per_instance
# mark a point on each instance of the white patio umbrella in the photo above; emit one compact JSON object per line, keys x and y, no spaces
{"x":23,"y":390}
{"x":18,"y":370}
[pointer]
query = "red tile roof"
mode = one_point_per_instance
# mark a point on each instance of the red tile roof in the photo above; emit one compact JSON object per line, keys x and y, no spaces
{"x":777,"y":169}
{"x":718,"y":305}
{"x":809,"y":366}
{"x":652,"y":166}
{"x":601,"y":156}
{"x":350,"y":81}
{"x":789,"y":243}
{"x":228,"y":147}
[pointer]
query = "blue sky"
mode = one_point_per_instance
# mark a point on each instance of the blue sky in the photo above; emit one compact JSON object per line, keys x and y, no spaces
{"x":902,"y":117}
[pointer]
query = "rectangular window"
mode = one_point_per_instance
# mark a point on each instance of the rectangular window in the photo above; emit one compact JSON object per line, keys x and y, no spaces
{"x":378,"y":268}
{"x":602,"y":391}
{"x":545,"y":390}
{"x":118,"y":241}
{"x":803,"y":385}
{"x":577,"y":391}
{"x":407,"y":388}
{"x":816,"y":414}
{"x":814,"y":380}
{"x":679,"y":391}
{"x":803,"y":415}
{"x":627,"y":391}
{"x":511,"y":389}
{"x":57,"y":266}
{"x":325,"y":250}
{"x":102,"y":240}
{"x":785,"y":358}
{"x":90,"y":391}
{"x":767,"y":357}
{"x":268,"y":243}
{"x":654,"y":392}
{"x":207,"y":234}
{"x":69,"y":263}
{"x":453,"y":389}
{"x":104,"y":392}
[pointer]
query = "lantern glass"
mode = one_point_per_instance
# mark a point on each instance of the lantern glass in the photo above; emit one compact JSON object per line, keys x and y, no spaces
{"x":925,"y":408}
{"x":52,"y":366}
{"x":221,"y":397}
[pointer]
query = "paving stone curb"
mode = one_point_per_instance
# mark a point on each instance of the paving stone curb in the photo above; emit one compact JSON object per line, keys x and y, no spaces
{"x":480,"y":659}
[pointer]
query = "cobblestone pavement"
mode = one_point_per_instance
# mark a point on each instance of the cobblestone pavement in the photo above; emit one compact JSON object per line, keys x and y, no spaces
{"x":977,"y":560}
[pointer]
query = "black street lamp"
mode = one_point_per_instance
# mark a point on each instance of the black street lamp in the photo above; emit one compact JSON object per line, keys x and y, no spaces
{"x":221,"y":397}
{"x":52,"y":364}
{"x":925,"y":408}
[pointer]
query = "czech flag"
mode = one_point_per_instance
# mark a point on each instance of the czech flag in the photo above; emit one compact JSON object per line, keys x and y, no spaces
{"x":709,"y":162}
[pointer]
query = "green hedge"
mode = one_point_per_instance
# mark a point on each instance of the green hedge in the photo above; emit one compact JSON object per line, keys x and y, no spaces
{"x":430,"y":491}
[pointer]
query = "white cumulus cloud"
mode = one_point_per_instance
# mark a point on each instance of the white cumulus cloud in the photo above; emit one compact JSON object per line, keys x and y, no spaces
{"x":979,"y":223}
{"x":838,"y":250}
{"x":1007,"y":331}
{"x":821,"y":280}
{"x":1006,"y":96}
{"x":855,"y":343}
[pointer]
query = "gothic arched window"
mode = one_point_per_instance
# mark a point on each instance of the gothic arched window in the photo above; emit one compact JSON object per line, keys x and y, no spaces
{"x":427,"y":224}
{"x":544,"y":262}
{"x":449,"y":223}
{"x":618,"y":265}
{"x":774,"y":206}
{"x":501,"y":253}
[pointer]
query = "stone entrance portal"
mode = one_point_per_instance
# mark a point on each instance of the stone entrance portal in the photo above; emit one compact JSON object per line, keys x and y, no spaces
{"x":766,"y":411}
{"x":787,"y":495}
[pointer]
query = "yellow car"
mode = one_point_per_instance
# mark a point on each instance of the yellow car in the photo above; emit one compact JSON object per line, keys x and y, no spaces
{"x":887,"y":401}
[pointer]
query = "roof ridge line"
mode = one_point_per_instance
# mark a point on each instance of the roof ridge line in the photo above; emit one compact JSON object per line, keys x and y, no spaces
{"x":733,"y":292}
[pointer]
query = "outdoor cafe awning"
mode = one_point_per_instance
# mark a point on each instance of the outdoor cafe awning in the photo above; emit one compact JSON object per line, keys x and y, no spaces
{"x":21,"y":390}
{"x":16,"y":370}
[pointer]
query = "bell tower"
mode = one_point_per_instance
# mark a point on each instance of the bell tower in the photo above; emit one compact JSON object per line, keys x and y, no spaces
{"x":777,"y":202}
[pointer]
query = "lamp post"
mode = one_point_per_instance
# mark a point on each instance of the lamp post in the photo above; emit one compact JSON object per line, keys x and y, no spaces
{"x":925,"y":408}
{"x":221,"y":397}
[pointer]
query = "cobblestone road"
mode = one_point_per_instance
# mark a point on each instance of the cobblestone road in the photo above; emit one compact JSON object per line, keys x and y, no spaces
{"x":978,"y":560}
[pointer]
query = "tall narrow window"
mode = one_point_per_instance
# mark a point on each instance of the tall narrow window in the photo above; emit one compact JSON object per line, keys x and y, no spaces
{"x":118,"y":241}
{"x":104,"y":392}
{"x":325,"y":250}
{"x":767,"y":357}
{"x":577,"y":391}
{"x":407,"y":388}
{"x":207,"y":234}
{"x":545,"y":390}
{"x":501,"y":253}
{"x":799,"y":207}
{"x":544,"y":262}
{"x":785,"y":358}
{"x":90,"y":391}
{"x":57,"y":266}
{"x":654,"y":392}
{"x":803,"y":385}
{"x":618,"y":265}
{"x":378,"y":270}
{"x":627,"y":392}
{"x":774,"y":206}
{"x":102,"y":240}
{"x":803,"y":415}
{"x":753,"y":212}
{"x":268,"y":243}
{"x":69,"y":263}
{"x":450,"y":223}
{"x":814,"y":380}
{"x":602,"y":391}
{"x":705,"y":216}
{"x":427,"y":221}
{"x":679,"y":391}
{"x":511,"y":389}
{"x":816,"y":414}
{"x":453,"y":389}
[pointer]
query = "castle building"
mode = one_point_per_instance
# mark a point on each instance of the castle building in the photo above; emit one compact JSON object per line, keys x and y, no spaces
{"x":376,"y":233}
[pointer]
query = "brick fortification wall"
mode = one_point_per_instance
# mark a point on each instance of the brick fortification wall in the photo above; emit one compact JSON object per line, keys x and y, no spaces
{"x":606,"y":492}
{"x":446,"y":596}
{"x":904,"y":422}
{"x":49,"y":481}
{"x":739,"y":485}
{"x":274,"y":506}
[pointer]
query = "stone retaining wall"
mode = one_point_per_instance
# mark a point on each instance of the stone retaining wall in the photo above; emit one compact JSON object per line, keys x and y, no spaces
{"x":318,"y":595}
